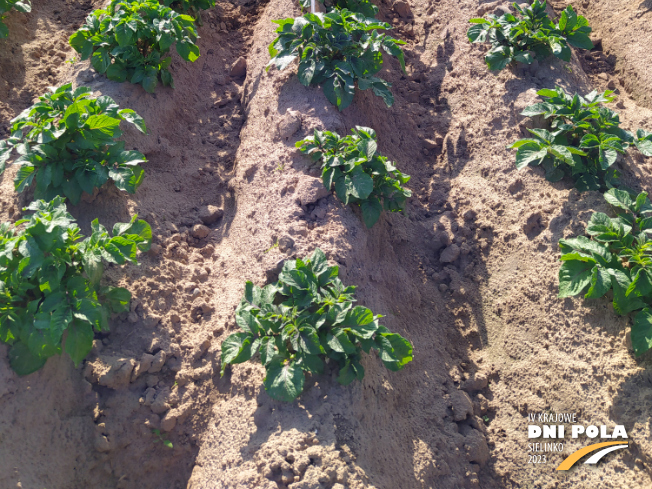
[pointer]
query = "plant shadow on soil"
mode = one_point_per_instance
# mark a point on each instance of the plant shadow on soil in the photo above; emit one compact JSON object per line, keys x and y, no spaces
{"x":646,"y":4}
{"x":631,"y":408}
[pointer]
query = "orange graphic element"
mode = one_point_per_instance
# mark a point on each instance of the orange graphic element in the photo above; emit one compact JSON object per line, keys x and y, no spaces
{"x":575,"y":456}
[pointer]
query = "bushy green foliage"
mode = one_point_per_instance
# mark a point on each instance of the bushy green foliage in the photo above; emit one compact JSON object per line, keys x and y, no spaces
{"x":583,"y":139}
{"x":533,"y":33}
{"x":616,"y":256}
{"x":130,"y":41}
{"x":24,"y":6}
{"x":337,"y":50}
{"x":189,"y":6}
{"x":359,"y":174}
{"x":364,"y":7}
{"x":50,"y":293}
{"x":303,"y":319}
{"x":67,"y":144}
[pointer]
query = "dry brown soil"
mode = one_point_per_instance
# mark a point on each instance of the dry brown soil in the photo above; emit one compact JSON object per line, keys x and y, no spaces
{"x":490,"y":337}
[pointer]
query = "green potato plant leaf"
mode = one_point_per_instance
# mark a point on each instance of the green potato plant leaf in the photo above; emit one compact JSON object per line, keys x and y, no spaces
{"x":51,"y":299}
{"x":67,"y":143}
{"x":24,"y":6}
{"x":284,"y":381}
{"x":130,"y":41}
{"x":358,"y":173}
{"x":303,"y":320}
{"x":616,"y":255}
{"x":337,"y":50}
{"x":193,"y":7}
{"x":582,"y":139}
{"x":642,"y":331}
{"x":529,"y":35}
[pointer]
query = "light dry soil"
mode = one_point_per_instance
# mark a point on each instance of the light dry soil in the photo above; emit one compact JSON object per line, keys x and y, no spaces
{"x":491,"y":340}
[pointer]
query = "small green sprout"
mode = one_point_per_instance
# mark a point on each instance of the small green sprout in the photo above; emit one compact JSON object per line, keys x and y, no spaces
{"x":162,"y":437}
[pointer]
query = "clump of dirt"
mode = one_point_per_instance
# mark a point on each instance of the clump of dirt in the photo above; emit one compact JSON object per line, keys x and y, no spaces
{"x":468,"y":275}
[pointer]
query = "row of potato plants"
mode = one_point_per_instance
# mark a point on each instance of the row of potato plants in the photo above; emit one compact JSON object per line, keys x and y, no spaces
{"x":51,"y":297}
{"x":307,"y":318}
{"x":582,"y":139}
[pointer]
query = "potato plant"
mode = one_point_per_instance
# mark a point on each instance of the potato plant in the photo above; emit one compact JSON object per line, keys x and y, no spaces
{"x":189,"y":6}
{"x":51,"y":299}
{"x":67,"y":144}
{"x":529,"y":36}
{"x":358,"y":173}
{"x":364,"y":7}
{"x":130,"y":41}
{"x":304,"y":319}
{"x":24,"y":6}
{"x":583,"y":139}
{"x":337,"y":50}
{"x":616,"y":257}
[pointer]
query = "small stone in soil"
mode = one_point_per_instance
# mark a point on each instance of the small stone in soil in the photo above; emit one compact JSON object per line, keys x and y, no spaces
{"x":310,"y":190}
{"x":430,"y":144}
{"x":155,"y":249}
{"x":239,"y":68}
{"x":168,"y":422}
{"x":200,"y":231}
{"x":450,"y":254}
{"x":210,"y":214}
{"x":285,"y":244}
{"x":403,"y":9}
{"x":158,"y":362}
{"x":289,"y":124}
